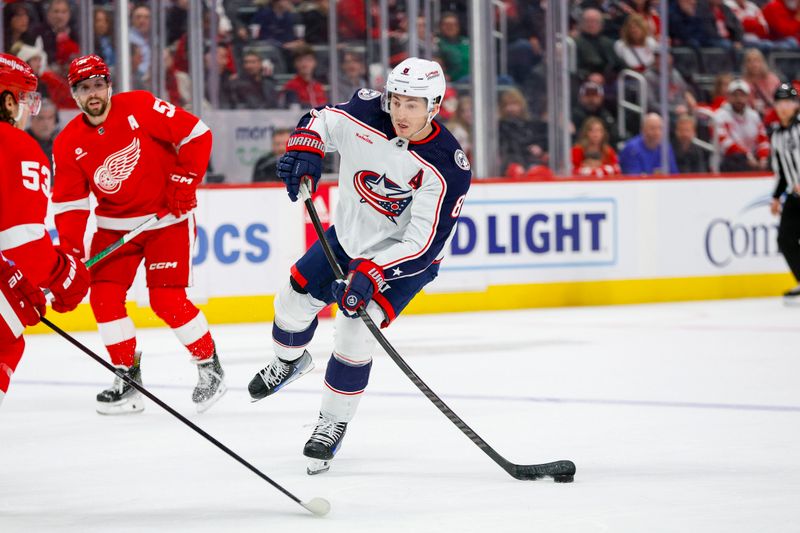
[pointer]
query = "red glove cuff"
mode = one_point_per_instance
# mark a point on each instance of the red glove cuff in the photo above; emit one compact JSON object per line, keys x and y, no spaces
{"x":371,"y":270}
{"x":306,"y":140}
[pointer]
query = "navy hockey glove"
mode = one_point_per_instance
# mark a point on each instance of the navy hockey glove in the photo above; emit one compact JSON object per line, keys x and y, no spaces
{"x":364,"y":278}
{"x":303,"y":158}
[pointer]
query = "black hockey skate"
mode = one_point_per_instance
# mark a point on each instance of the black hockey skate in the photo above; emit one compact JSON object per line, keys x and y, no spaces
{"x":792,"y":297}
{"x":210,"y":383}
{"x":325,"y":441}
{"x":122,"y":398}
{"x":277,"y":374}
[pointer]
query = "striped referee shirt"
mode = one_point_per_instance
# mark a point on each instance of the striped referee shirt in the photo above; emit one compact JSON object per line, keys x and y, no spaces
{"x":785,"y":155}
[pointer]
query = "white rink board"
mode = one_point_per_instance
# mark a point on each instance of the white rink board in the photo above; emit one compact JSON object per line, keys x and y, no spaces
{"x":636,"y":229}
{"x":517,"y":233}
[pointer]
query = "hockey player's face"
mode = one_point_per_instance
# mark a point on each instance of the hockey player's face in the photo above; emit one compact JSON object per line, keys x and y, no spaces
{"x":409,"y":115}
{"x":92,"y":96}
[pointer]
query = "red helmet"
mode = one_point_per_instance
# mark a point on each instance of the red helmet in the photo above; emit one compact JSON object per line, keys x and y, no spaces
{"x":85,"y":67}
{"x":16,"y":75}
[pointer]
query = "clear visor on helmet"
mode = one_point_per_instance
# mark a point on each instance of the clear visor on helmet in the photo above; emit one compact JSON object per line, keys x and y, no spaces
{"x":32,"y":100}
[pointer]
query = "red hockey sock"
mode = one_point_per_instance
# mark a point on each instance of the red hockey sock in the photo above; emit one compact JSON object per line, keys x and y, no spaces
{"x":203,"y":348}
{"x":122,"y":353}
{"x":186,"y":320}
{"x":10,"y":354}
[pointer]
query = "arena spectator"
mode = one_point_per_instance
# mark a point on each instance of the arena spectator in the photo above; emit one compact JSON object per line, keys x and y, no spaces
{"x":642,"y":154}
{"x":526,"y":33}
{"x":690,"y":158}
{"x":453,"y":48}
{"x":51,"y":84}
{"x":354,"y":74}
{"x":595,"y":51}
{"x":254,"y":88}
{"x":17,"y":26}
{"x":783,"y":18}
{"x":139,"y":80}
{"x":726,"y":23}
{"x":139,"y":35}
{"x":276,"y":23}
{"x":761,"y":79}
{"x":619,"y":11}
{"x":743,"y":140}
{"x":44,"y":127}
{"x":104,"y":35}
{"x":591,"y":103}
{"x":522,"y":139}
{"x":265,"y":167}
{"x":303,"y":88}
{"x":592,"y":155}
{"x":719,"y":91}
{"x":460,"y":124}
{"x":314,"y":16}
{"x":59,"y":35}
{"x":703,"y":23}
{"x":226,"y":76}
{"x":754,"y":25}
{"x":636,"y":46}
{"x":352,"y":17}
{"x":680,"y":98}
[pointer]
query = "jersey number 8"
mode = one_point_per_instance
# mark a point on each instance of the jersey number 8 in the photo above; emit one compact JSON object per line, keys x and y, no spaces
{"x":36,"y":176}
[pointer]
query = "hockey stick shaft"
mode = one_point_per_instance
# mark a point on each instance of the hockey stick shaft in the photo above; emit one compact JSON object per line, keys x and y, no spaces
{"x":132,"y":234}
{"x":120,"y":374}
{"x":559,"y":470}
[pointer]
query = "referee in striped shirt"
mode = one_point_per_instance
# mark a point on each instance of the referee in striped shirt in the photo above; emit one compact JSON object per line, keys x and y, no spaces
{"x":785,"y":155}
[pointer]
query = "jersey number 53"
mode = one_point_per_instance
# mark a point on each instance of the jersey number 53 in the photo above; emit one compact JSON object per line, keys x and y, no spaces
{"x":36,"y":176}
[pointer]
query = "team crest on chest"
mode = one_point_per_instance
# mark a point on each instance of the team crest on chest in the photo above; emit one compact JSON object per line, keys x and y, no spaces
{"x":382,"y":194}
{"x":117,"y":167}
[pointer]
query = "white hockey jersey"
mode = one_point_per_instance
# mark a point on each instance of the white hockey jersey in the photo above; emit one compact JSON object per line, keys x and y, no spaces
{"x":399,"y":201}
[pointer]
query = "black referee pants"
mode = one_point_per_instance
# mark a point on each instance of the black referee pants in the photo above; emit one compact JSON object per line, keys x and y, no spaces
{"x":789,"y":234}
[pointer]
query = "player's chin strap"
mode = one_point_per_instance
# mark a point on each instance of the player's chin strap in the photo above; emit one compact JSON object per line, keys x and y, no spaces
{"x":560,"y":471}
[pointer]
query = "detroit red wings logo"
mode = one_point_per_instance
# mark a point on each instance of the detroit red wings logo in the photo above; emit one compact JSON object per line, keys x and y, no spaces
{"x":117,"y":168}
{"x":381,"y":193}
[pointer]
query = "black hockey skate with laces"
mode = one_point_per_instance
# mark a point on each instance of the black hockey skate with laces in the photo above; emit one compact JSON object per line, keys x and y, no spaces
{"x":210,"y":383}
{"x":277,"y":374}
{"x":325,"y":441}
{"x":122,"y":398}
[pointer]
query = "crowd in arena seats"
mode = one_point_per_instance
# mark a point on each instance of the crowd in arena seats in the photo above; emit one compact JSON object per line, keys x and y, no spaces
{"x":726,"y":58}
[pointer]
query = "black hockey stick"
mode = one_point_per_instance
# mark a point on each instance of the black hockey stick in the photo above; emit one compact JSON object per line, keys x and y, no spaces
{"x":317,"y":506}
{"x":561,"y":471}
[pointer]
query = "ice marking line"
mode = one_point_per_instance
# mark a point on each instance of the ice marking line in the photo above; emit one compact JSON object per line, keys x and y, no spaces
{"x":473,"y":397}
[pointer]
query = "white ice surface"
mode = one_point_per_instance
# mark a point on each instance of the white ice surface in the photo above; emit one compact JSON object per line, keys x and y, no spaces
{"x":680,"y":418}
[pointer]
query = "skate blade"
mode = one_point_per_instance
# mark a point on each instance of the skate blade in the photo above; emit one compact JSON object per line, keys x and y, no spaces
{"x":202,"y":407}
{"x":295,"y":377}
{"x":317,"y":466}
{"x":128,"y":406}
{"x":791,"y":301}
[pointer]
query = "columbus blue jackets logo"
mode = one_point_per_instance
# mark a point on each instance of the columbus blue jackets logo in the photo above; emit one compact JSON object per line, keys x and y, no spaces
{"x":382,"y":194}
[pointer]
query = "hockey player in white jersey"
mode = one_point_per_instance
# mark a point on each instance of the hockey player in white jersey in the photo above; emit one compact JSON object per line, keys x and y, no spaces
{"x":402,"y":182}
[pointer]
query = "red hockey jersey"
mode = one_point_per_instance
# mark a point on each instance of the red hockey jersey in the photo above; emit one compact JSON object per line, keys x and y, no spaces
{"x":24,"y":191}
{"x":125,"y":163}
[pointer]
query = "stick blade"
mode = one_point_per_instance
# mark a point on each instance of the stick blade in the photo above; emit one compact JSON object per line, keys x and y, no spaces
{"x":561,"y":471}
{"x":317,"y":506}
